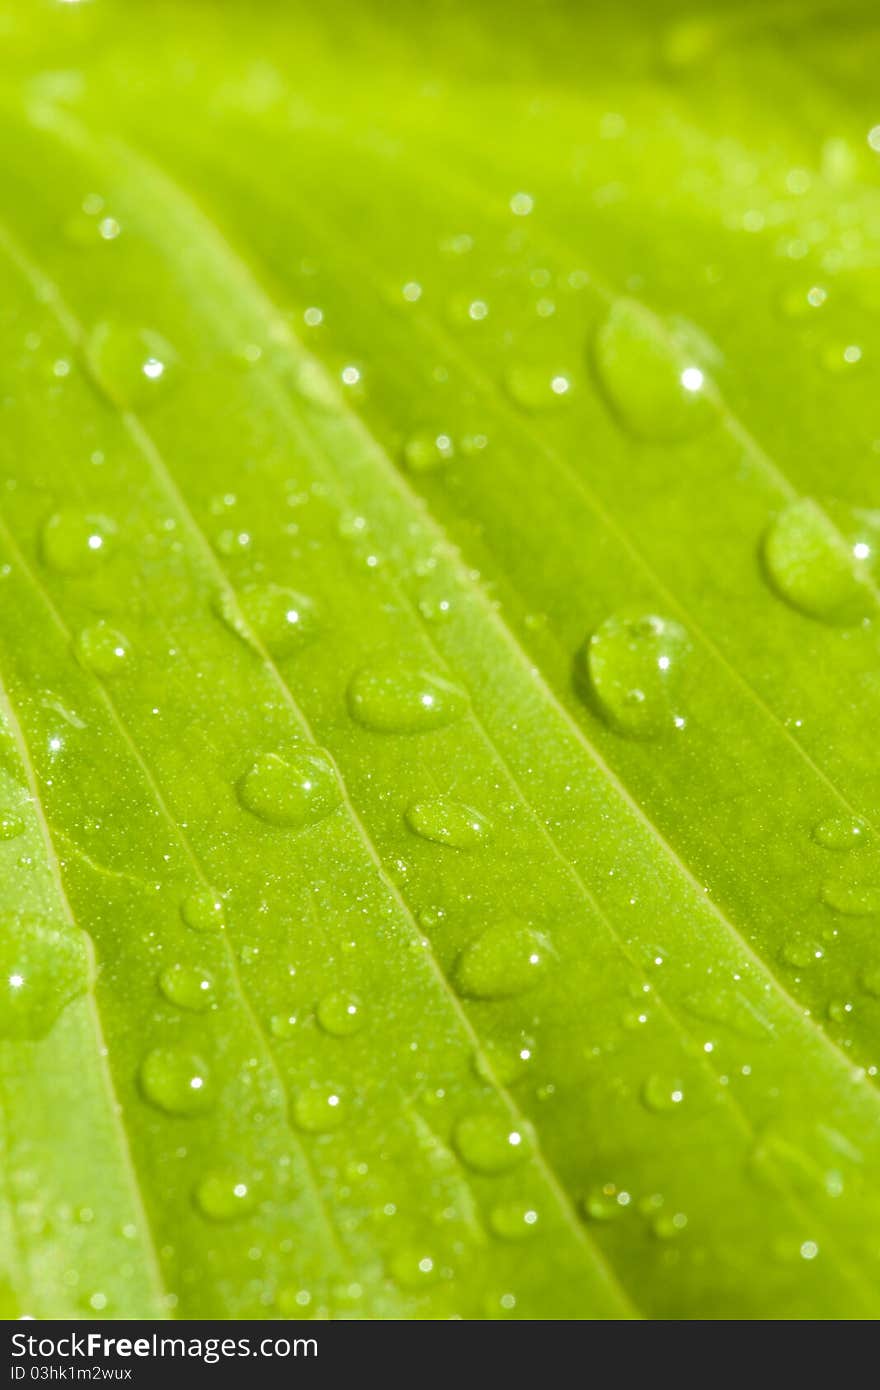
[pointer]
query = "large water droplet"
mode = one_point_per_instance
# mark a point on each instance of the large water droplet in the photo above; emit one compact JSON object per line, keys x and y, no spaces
{"x":340,"y":1014}
{"x":224,"y":1195}
{"x":296,"y":790}
{"x":319,"y":1108}
{"x":176,"y":1081}
{"x":507,"y":959}
{"x":823,"y":560}
{"x":281,"y":619}
{"x":535,"y":387}
{"x":448,"y":822}
{"x":649,"y":374}
{"x":840,"y":833}
{"x":514,"y":1220}
{"x":203,"y":910}
{"x":491,"y":1143}
{"x":663,"y":1093}
{"x":428,"y":450}
{"x":43,"y":966}
{"x":102,"y":649}
{"x":397,"y":699}
{"x":75,"y":542}
{"x":632,"y":667}
{"x":131,"y":365}
{"x":187,"y":986}
{"x":851,"y":899}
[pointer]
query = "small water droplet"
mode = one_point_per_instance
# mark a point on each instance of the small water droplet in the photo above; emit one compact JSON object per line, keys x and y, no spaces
{"x":176,"y":1081}
{"x":632,"y":668}
{"x":822,"y":560}
{"x":102,"y":649}
{"x":842,"y":358}
{"x":800,"y":953}
{"x":132,"y":366}
{"x":319,"y":1108}
{"x":668,"y":1225}
{"x":662,"y":1093}
{"x":413,"y":1268}
{"x":203,"y":911}
{"x":448,"y":822}
{"x":604,"y":1203}
{"x":43,"y":967}
{"x":534,"y":387}
{"x":506,"y":959}
{"x":851,"y":899}
{"x":840,"y":833}
{"x":514,"y":1220}
{"x":11,"y":826}
{"x":647,"y":372}
{"x":398,"y":699}
{"x":224,"y":1195}
{"x":491,"y":1143}
{"x":341,"y":1014}
{"x":188,"y":987}
{"x":76,"y":543}
{"x":427,"y":450}
{"x":296,"y":790}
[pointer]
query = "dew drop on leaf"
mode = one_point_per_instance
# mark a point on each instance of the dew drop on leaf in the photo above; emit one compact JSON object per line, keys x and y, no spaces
{"x":176,"y":1081}
{"x":281,"y":619}
{"x":604,"y":1203}
{"x":822,"y":559}
{"x":203,"y":911}
{"x":513,"y":1220}
{"x":398,"y":699}
{"x":77,"y":543}
{"x":224,"y":1195}
{"x":413,"y":1268}
{"x":43,"y":967}
{"x":631,"y":667}
{"x":840,"y":833}
{"x":132,"y":366}
{"x":508,"y":958}
{"x":188,"y":987}
{"x":448,"y":822}
{"x":427,"y":450}
{"x":11,"y":826}
{"x":851,"y":899}
{"x":649,"y":376}
{"x":662,"y":1093}
{"x":490,"y":1143}
{"x":296,"y":790}
{"x":537,"y":388}
{"x":102,"y":649}
{"x":340,"y":1014}
{"x":319,"y":1108}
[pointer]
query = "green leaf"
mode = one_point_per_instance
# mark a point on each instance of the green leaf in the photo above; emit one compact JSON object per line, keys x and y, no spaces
{"x":438,"y":532}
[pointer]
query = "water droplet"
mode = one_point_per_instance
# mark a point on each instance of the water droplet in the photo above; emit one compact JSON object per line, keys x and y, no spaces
{"x":632,"y":667}
{"x":647,"y":372}
{"x":669,"y":1225}
{"x":283,"y":620}
{"x":340,"y":1014}
{"x":102,"y":649}
{"x":506,"y":1062}
{"x":448,"y":822}
{"x":283,"y":1025}
{"x":507,"y":959}
{"x":224,"y":1195}
{"x":314,"y":385}
{"x":662,"y":1093}
{"x":176,"y":1081}
{"x":840,"y":833}
{"x":75,"y":543}
{"x":131,"y":365}
{"x":842,"y":358}
{"x":43,"y":966}
{"x":428,"y":450}
{"x":188,"y":987}
{"x":514,"y":1220}
{"x":397,"y":699}
{"x":534,"y":387}
{"x":605,"y":1203}
{"x":823,"y":560}
{"x":319,"y":1108}
{"x":800,"y":953}
{"x":296,"y":790}
{"x":413,"y":1268}
{"x":851,"y":899}
{"x":203,"y":911}
{"x":11,"y":826}
{"x":491,"y":1143}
